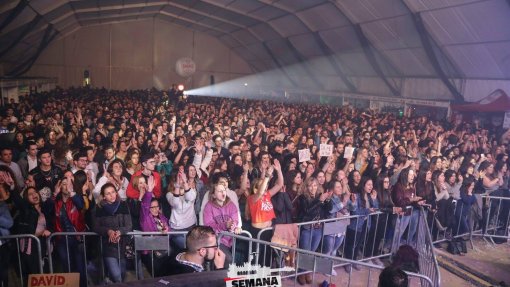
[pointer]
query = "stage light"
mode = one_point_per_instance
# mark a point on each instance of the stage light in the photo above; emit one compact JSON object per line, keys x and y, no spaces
{"x":246,"y":84}
{"x":180,"y":87}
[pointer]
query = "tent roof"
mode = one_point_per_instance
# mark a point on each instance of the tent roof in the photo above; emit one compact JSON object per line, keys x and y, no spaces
{"x":367,"y":38}
{"x":497,"y":101}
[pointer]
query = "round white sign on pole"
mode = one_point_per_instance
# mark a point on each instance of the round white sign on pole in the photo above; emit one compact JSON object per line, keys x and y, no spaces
{"x":185,"y":67}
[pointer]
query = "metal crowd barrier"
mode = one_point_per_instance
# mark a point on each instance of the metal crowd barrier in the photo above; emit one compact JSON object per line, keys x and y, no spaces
{"x":329,"y":227}
{"x":322,"y":267}
{"x":488,"y":218}
{"x":378,"y":241}
{"x":143,"y":242}
{"x":36,"y":242}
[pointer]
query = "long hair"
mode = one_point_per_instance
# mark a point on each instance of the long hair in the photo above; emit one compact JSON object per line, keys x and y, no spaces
{"x":383,"y":194}
{"x":305,"y":187}
{"x":423,"y":187}
{"x":435,"y":178}
{"x":403,"y":178}
{"x":363,"y":195}
{"x":80,"y":179}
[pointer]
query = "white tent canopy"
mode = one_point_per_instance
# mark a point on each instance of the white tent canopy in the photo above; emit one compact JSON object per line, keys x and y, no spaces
{"x":435,"y":49}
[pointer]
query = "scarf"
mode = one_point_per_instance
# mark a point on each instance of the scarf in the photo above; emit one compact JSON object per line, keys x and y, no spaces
{"x":111,"y":208}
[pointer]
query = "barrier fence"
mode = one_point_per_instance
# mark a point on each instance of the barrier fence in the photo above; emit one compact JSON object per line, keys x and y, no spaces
{"x":321,"y":267}
{"x":24,"y":259}
{"x":360,"y":238}
{"x":365,"y":238}
{"x":488,"y":218}
{"x":141,"y":242}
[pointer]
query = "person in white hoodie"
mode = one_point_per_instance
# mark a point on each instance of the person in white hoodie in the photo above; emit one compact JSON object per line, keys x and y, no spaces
{"x":182,"y":200}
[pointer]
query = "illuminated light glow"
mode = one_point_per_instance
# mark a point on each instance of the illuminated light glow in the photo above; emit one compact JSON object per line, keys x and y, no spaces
{"x":180,"y":87}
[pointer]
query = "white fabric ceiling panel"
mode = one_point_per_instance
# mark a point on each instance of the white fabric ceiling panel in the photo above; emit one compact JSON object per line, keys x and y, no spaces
{"x":267,"y":13}
{"x":473,"y":23}
{"x":259,"y":51}
{"x":501,"y":54}
{"x":297,"y":5}
{"x":155,"y":8}
{"x":393,"y":33}
{"x":425,"y":89}
{"x":23,"y":18}
{"x":323,"y":17}
{"x":228,"y":28}
{"x":289,"y":25}
{"x":243,"y":6}
{"x":476,"y":61}
{"x":247,"y":54}
{"x":333,"y":83}
{"x":371,"y":85}
{"x":229,"y":40}
{"x":192,"y":16}
{"x":425,"y":5}
{"x":361,"y":11}
{"x":356,"y":64}
{"x":280,"y":50}
{"x":45,"y":6}
{"x":265,"y":32}
{"x":244,"y":37}
{"x":211,"y":22}
{"x":69,"y":21}
{"x":81,"y":5}
{"x":306,"y":45}
{"x":262,"y":65}
{"x":214,"y":33}
{"x":411,"y":62}
{"x":475,"y":90}
{"x":110,"y":3}
{"x":341,"y":39}
{"x":322,"y":66}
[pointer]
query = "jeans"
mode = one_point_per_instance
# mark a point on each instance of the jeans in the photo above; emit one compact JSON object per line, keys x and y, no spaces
{"x":402,"y":223}
{"x":72,"y":258}
{"x":353,"y":239}
{"x":116,"y":272}
{"x":310,"y":238}
{"x":331,"y":244}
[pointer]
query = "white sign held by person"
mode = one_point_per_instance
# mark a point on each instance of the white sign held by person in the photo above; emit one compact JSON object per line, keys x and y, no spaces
{"x":326,"y":150}
{"x":506,"y":121}
{"x":348,"y":152}
{"x":304,"y":155}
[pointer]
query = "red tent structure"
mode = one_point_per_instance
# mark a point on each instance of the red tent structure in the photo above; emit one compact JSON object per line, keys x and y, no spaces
{"x":496,"y":101}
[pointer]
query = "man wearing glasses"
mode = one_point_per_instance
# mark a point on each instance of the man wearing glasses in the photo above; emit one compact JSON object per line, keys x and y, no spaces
{"x":202,"y":246}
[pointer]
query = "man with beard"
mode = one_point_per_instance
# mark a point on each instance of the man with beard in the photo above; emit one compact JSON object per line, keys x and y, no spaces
{"x":202,"y":246}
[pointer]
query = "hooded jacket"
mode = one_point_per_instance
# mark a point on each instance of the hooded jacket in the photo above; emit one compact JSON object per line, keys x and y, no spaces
{"x":217,"y":217}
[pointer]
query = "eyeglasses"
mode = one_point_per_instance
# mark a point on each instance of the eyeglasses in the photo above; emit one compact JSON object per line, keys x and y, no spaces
{"x":386,"y":181}
{"x":211,"y":246}
{"x":153,"y":207}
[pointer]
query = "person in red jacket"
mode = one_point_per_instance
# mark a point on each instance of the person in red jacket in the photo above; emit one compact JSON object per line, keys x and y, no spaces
{"x":70,"y":218}
{"x":148,"y":170}
{"x":133,"y":194}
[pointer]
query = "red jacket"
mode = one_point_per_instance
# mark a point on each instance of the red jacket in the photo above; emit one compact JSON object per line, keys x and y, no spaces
{"x":73,"y":207}
{"x":133,"y":193}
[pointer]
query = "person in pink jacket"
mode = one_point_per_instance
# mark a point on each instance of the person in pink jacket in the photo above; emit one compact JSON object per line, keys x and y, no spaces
{"x":221,"y":214}
{"x":151,"y":220}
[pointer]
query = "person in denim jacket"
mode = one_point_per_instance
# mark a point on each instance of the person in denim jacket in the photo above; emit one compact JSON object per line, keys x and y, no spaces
{"x":338,"y":209}
{"x":362,"y":204}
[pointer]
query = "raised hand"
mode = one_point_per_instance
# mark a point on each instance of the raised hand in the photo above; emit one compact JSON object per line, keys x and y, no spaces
{"x":151,"y":183}
{"x":276,"y":165}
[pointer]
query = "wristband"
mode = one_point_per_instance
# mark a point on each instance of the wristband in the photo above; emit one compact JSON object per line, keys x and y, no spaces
{"x":186,"y":190}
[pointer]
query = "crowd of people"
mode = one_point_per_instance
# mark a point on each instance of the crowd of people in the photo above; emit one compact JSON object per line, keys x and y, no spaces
{"x":116,"y":161}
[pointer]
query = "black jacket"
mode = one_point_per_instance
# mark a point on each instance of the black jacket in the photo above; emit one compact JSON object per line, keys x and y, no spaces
{"x":121,"y":220}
